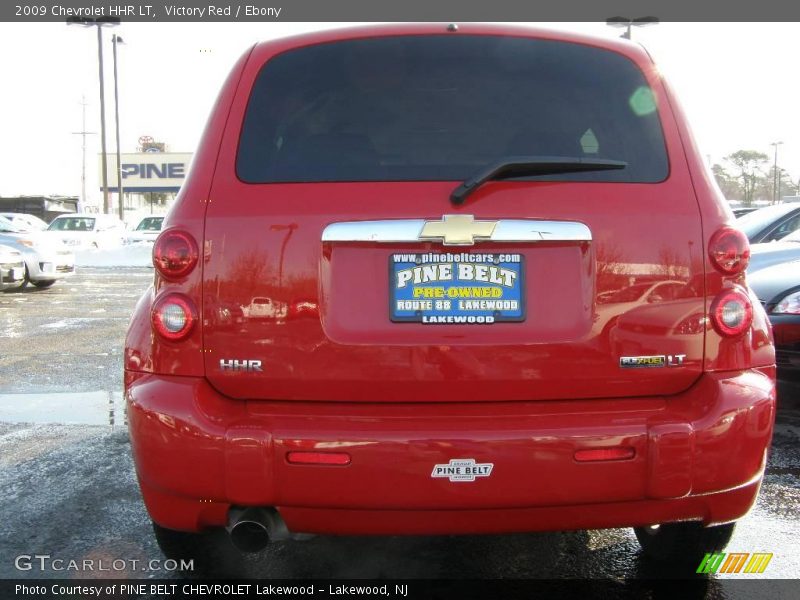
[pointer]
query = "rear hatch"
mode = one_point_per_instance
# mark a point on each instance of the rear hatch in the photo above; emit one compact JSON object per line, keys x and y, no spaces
{"x":338,"y":268}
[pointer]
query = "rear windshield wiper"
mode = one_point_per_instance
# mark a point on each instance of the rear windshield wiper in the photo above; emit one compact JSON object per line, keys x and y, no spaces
{"x":514,"y":166}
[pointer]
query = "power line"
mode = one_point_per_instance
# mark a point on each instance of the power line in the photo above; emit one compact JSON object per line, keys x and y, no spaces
{"x":83,"y":133}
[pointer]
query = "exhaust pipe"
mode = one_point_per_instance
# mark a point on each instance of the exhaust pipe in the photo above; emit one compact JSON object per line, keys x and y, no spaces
{"x":249,"y":529}
{"x":253,"y":528}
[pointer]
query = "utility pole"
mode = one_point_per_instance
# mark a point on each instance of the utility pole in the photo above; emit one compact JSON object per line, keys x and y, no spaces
{"x":83,"y":133}
{"x":775,"y":173}
{"x":116,"y":40}
{"x":104,"y":155}
{"x":99,"y":23}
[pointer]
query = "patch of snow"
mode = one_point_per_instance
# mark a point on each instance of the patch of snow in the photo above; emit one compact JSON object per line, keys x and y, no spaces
{"x":71,"y":322}
{"x":90,"y":408}
{"x":134,"y":255}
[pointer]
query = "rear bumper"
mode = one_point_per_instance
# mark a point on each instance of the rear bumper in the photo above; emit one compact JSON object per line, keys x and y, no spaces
{"x":12,"y":275}
{"x":786,"y":329}
{"x":698,"y":455}
{"x":49,"y":265}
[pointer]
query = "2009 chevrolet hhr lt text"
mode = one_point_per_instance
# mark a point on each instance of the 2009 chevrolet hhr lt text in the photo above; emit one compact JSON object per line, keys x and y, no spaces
{"x":435,"y":280}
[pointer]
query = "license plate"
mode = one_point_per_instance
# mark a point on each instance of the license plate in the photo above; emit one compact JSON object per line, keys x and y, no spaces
{"x":17,"y":273}
{"x":456,"y":288}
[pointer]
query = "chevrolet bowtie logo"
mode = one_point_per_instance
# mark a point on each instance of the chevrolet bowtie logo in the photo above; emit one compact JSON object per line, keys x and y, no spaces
{"x":457,"y":230}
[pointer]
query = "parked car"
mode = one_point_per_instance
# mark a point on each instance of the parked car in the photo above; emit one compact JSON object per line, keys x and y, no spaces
{"x":24,"y":221}
{"x":12,"y":268}
{"x":88,"y":230}
{"x":611,"y":305}
{"x":786,"y":249}
{"x":263,"y":308}
{"x":740,"y":212}
{"x":146,"y":231}
{"x":778,"y":289}
{"x":670,"y":325}
{"x":771,"y":222}
{"x":447,"y":206}
{"x":47,"y":259}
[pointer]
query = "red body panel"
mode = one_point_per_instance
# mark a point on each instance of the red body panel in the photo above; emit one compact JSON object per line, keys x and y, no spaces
{"x":266,"y":241}
{"x":339,"y":376}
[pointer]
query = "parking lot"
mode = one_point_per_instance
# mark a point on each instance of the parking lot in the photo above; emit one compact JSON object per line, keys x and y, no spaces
{"x":70,"y":489}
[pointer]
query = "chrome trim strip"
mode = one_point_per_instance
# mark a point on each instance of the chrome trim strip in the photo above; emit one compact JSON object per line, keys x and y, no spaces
{"x":385,"y":232}
{"x":408,"y":230}
{"x":531,"y":230}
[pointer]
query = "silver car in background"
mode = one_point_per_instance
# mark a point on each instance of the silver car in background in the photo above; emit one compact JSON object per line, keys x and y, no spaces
{"x":24,"y":221}
{"x":146,"y":231}
{"x":46,"y":258}
{"x":786,"y":249}
{"x":12,"y":268}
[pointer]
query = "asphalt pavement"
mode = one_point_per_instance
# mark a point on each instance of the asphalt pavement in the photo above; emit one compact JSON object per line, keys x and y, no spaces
{"x":69,"y":488}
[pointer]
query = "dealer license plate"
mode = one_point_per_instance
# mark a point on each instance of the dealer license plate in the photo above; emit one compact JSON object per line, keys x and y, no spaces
{"x":456,"y":288}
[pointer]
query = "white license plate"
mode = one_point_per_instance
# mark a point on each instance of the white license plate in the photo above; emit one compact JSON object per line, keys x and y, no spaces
{"x":17,"y":273}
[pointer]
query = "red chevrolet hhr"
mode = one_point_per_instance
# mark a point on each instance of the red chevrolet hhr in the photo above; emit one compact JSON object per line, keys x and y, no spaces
{"x":450,"y":279}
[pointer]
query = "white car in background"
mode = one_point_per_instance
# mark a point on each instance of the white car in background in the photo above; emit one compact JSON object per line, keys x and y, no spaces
{"x":146,"y":231}
{"x":12,"y":268}
{"x":786,"y":249}
{"x":46,"y":258}
{"x":82,"y":231}
{"x":24,"y":221}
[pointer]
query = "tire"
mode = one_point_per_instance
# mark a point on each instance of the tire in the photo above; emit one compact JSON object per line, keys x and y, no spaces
{"x":181,"y":545}
{"x":683,"y":542}
{"x":43,"y":284}
{"x":25,"y":280}
{"x":211,"y":553}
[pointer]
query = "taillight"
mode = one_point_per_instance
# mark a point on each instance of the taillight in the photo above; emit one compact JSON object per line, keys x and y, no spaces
{"x":174,"y":254}
{"x":731,"y":312}
{"x":692,"y":325}
{"x":729,"y":250}
{"x":173,"y":316}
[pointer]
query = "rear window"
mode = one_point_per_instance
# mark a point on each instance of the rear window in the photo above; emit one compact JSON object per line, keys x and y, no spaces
{"x":72,"y":224}
{"x":442,"y":107}
{"x":150,"y":224}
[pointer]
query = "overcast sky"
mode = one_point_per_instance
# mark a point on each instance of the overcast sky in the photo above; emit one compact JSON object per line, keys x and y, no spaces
{"x":739,"y":83}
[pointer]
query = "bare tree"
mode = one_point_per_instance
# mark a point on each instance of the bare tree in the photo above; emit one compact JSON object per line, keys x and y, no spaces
{"x":728,"y":184}
{"x":748,"y":163}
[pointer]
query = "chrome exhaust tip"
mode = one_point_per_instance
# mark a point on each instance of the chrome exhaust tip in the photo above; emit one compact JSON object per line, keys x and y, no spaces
{"x":249,"y":529}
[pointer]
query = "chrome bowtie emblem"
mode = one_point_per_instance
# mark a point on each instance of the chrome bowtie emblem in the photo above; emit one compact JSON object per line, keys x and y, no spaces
{"x":457,"y":230}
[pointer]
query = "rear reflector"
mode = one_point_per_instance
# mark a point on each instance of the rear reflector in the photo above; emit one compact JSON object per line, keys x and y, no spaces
{"x":318,"y":458}
{"x":598,"y":454}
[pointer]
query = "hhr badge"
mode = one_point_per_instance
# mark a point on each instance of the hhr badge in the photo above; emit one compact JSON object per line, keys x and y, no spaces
{"x":245,"y":365}
{"x":462,"y":469}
